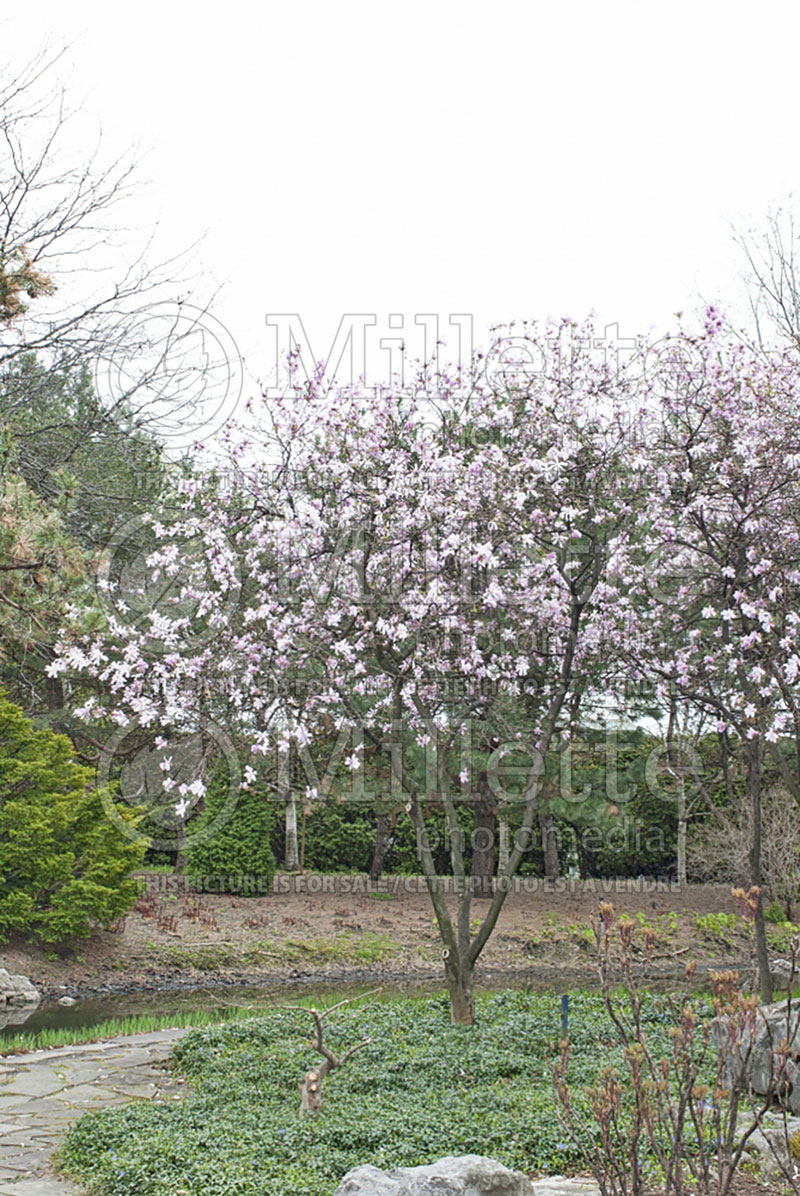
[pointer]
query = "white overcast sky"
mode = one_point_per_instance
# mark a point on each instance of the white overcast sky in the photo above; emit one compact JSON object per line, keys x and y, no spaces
{"x":507,"y":160}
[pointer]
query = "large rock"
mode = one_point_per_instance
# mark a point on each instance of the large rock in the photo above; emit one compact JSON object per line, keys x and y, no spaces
{"x":17,"y":990}
{"x":756,"y":1057}
{"x":775,"y":1146}
{"x":784,"y":973}
{"x":469,"y":1175}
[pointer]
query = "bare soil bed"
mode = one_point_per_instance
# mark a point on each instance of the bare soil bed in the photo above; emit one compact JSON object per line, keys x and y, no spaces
{"x":348,"y":928}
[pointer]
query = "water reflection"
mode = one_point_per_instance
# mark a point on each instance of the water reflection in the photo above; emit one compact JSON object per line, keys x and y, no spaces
{"x":13,"y":1016}
{"x":91,"y":1011}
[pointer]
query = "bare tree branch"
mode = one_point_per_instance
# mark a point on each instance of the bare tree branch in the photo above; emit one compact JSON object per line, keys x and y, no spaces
{"x":311,"y":1086}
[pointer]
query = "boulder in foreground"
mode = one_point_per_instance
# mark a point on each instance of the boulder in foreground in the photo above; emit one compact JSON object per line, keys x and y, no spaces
{"x":467,"y":1175}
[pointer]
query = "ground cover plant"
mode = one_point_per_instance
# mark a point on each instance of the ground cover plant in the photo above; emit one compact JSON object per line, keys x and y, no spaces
{"x":422,"y":1089}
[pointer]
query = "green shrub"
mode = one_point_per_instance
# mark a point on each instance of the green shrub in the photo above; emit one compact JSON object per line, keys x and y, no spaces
{"x":64,"y":866}
{"x":230,"y":852}
{"x":402,"y":856}
{"x":340,"y":837}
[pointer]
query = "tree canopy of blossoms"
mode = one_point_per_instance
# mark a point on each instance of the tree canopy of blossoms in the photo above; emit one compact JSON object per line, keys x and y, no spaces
{"x":390,"y":542}
{"x":528,"y":534}
{"x":718,"y":590}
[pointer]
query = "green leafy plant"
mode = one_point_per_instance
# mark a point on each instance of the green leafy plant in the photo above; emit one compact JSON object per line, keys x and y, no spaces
{"x":426,"y":1089}
{"x":782,"y":937}
{"x":581,"y":932}
{"x":719,"y":925}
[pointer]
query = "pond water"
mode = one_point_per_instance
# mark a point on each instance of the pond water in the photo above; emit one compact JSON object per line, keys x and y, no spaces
{"x":90,"y":1011}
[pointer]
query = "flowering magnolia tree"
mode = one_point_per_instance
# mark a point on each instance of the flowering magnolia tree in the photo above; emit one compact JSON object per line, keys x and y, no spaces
{"x":434,"y":571}
{"x":437,"y":574}
{"x":718,"y":593}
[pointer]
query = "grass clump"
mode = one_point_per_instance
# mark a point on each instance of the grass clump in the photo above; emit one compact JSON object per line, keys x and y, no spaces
{"x":140,"y":1023}
{"x":202,"y":957}
{"x":366,"y":948}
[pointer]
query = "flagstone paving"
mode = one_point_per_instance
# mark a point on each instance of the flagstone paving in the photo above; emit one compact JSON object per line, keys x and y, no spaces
{"x":42,"y":1092}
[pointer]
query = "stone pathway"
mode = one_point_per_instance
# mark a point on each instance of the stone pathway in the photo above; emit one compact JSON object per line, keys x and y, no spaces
{"x":42,"y":1092}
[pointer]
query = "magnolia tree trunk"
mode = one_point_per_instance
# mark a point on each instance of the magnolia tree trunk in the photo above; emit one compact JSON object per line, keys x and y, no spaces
{"x":457,"y":953}
{"x":460,"y":987}
{"x":461,"y":949}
